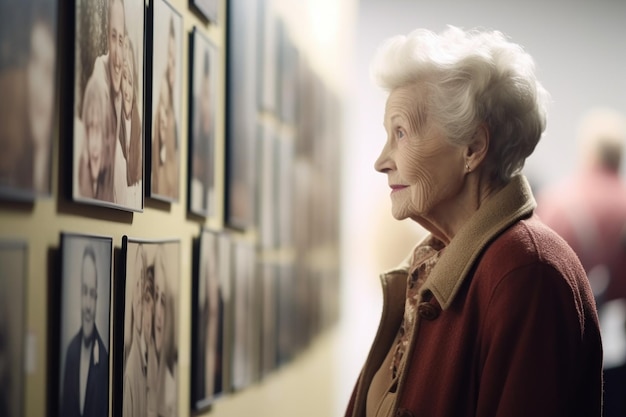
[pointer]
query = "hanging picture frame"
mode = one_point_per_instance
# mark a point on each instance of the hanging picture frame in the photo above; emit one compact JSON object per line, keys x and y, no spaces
{"x":207,"y":322}
{"x":108,"y":105}
{"x":147,"y":345}
{"x":207,"y":8}
{"x":204,"y":73}
{"x":13,"y":284}
{"x":84,"y":324}
{"x":28,"y":81}
{"x":165,"y":89}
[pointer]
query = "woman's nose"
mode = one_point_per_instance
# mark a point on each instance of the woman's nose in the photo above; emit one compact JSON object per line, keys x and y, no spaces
{"x":384,"y":163}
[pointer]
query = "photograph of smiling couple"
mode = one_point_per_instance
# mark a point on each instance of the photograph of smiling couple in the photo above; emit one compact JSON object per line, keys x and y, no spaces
{"x":108,"y":103}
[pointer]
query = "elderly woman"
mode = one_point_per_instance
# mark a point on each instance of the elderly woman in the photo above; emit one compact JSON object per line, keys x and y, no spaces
{"x":491,"y":314}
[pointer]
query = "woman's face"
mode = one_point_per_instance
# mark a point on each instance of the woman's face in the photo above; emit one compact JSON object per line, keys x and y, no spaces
{"x":127,"y":87}
{"x":159,"y":309}
{"x":95,"y":138}
{"x":425,"y":172}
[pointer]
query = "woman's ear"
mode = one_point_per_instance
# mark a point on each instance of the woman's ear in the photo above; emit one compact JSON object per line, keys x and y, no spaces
{"x":477,"y":149}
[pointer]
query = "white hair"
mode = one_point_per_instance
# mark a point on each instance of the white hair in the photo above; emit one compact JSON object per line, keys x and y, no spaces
{"x":470,"y":78}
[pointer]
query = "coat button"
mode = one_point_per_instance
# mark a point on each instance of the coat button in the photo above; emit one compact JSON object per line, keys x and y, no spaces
{"x":403,"y":412}
{"x":428,"y":311}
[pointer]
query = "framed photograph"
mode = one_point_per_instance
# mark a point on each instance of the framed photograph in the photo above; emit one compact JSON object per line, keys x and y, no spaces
{"x":207,"y":8}
{"x":149,"y":348}
{"x":207,"y":322}
{"x":267,"y":182}
{"x":224,"y":369}
{"x":13,"y":279}
{"x":246,"y":316}
{"x":269,"y":314}
{"x":85,"y":327}
{"x":166,"y":100}
{"x":287,"y":76}
{"x":267,"y":44}
{"x":108,"y":129}
{"x":203,"y":101}
{"x":28,"y":74}
{"x":241,"y":113}
{"x":284,"y":185}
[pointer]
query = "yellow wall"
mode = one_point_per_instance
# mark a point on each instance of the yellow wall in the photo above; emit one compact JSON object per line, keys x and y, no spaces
{"x":303,"y":387}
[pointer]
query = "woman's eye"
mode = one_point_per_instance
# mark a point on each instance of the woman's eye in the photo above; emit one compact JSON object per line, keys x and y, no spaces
{"x":399,"y":133}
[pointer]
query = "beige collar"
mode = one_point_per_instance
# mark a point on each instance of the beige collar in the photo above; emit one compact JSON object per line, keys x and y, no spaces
{"x":512,"y":203}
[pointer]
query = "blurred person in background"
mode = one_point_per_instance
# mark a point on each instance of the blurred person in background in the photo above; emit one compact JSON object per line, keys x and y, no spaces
{"x":492,"y":313}
{"x":588,"y":209}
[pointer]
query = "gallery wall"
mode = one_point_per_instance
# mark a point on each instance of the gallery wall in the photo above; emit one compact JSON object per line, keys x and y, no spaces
{"x":292,"y":226}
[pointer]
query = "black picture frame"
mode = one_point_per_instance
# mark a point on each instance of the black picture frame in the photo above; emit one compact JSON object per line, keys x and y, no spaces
{"x":108,"y":109}
{"x":204,"y":73}
{"x":13,"y":307}
{"x":147,"y":364}
{"x":28,"y":81}
{"x":241,"y":113}
{"x":85,"y":307}
{"x":207,"y":322}
{"x":165,"y":108}
{"x":207,"y":8}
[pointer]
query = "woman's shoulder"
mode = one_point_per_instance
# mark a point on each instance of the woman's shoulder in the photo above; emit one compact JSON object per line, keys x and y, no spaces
{"x":529,"y":242}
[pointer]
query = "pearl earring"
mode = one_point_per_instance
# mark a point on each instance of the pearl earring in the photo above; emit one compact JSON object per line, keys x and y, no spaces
{"x":467,"y":167}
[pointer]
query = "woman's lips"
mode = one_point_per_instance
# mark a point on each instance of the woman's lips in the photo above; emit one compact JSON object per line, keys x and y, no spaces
{"x":397,"y":187}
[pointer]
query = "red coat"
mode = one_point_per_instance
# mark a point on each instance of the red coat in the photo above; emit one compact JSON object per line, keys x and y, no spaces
{"x":506,"y":325}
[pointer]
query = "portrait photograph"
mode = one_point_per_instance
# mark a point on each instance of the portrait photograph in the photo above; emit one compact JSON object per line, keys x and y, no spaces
{"x":269,"y":313}
{"x":84,"y":325}
{"x":108,"y":132}
{"x":267,"y":45}
{"x":287,"y":314}
{"x":149,"y":375}
{"x":203,"y":101}
{"x":166,"y":101}
{"x":287,"y":76}
{"x":207,"y":322}
{"x":225,"y":250}
{"x":284,"y":185}
{"x":241,"y":113}
{"x":267,"y":203}
{"x":208,"y":9}
{"x":13,"y":282}
{"x":28,"y":82}
{"x":246,"y":314}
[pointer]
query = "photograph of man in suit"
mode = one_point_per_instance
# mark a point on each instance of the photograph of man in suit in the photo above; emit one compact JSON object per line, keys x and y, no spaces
{"x":86,"y":375}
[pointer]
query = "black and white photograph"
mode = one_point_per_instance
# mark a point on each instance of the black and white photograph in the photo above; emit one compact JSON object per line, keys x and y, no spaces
{"x":108,"y":160}
{"x":241,"y":113}
{"x":150,"y":380}
{"x":208,"y":9}
{"x":13,"y":280}
{"x":246,"y":316}
{"x":208,"y":323}
{"x":266,"y":186}
{"x":84,"y":325}
{"x":267,"y":58}
{"x":268,"y":272}
{"x":166,"y":101}
{"x":28,"y":74}
{"x":203,"y":101}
